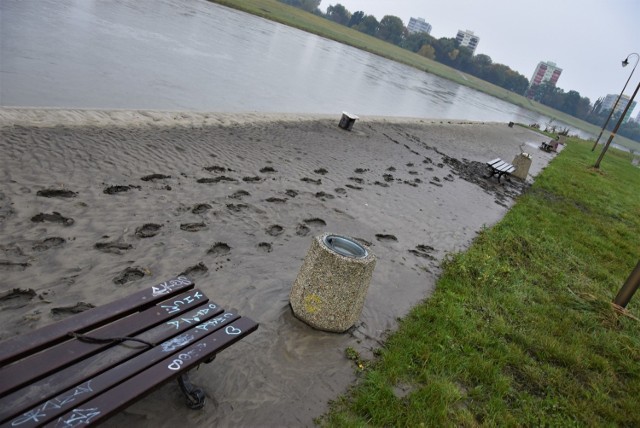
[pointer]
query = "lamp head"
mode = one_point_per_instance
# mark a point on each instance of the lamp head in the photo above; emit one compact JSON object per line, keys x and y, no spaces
{"x":625,"y":62}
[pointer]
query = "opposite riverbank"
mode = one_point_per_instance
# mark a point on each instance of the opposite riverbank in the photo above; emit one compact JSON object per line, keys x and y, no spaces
{"x":297,"y":18}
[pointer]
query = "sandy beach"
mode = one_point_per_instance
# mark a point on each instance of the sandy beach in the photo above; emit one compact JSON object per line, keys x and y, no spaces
{"x":95,"y":205}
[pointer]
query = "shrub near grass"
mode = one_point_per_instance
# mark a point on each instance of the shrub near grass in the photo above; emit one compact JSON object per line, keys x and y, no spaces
{"x":520,"y":330}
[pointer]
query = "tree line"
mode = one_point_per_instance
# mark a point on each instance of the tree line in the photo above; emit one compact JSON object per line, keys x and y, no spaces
{"x":449,"y":52}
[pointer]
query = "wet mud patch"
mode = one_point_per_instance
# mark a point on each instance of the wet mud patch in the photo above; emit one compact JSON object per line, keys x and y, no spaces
{"x":267,"y":170}
{"x":423,"y":251}
{"x":265,"y":246}
{"x":193,"y":227}
{"x":54,"y":217}
{"x":386,"y":238}
{"x":201,"y":208}
{"x":112,"y":190}
{"x":65,"y":311}
{"x":148,"y":230}
{"x":113,"y":247}
{"x":154,"y":177}
{"x":315,"y":222}
{"x":276,"y":200}
{"x":56,"y":193}
{"x":239,"y":194}
{"x":195,"y":270}
{"x":214,"y":180}
{"x":130,"y":274}
{"x":311,"y":180}
{"x":291,"y":193}
{"x":219,"y":249}
{"x":320,"y":171}
{"x":49,"y":243}
{"x":16,"y":298}
{"x":274,"y":230}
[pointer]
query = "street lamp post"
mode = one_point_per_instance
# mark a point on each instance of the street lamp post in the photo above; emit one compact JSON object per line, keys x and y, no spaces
{"x":624,"y":64}
{"x":615,"y":130}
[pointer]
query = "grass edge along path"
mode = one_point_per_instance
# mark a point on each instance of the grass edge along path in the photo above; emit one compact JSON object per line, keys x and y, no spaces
{"x":274,"y":10}
{"x":520,"y":330}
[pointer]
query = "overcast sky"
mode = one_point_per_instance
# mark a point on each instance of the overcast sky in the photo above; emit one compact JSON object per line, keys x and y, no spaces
{"x":588,"y":39}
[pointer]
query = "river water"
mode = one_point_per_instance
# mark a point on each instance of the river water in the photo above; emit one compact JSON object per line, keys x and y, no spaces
{"x":196,"y":55}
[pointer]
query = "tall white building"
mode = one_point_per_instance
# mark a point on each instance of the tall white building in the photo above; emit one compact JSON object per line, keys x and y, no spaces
{"x":468,"y":40}
{"x":418,"y":25}
{"x":610,"y":100}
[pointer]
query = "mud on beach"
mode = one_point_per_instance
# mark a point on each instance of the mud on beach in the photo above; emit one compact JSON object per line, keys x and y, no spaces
{"x":93,"y":210}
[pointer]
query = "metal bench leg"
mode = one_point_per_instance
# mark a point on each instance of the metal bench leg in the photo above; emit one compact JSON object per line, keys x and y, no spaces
{"x":195,"y":395}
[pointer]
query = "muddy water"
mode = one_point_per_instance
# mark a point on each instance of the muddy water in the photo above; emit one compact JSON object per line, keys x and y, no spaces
{"x":390,"y":184}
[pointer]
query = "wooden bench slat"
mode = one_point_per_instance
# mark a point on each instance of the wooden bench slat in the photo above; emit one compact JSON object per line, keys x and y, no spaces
{"x":122,"y":395}
{"x":78,"y":394}
{"x":18,"y":346}
{"x":61,"y":380}
{"x":58,"y":357}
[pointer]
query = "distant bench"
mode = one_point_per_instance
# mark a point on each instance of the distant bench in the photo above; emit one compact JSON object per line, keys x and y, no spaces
{"x":85,"y":368}
{"x":550,"y":146}
{"x":499,"y":167}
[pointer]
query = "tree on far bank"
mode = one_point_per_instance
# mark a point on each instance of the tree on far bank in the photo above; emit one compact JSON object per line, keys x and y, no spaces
{"x":339,"y":14}
{"x":356,"y":19}
{"x":391,"y":29}
{"x":308,"y":5}
{"x":369,"y":25}
{"x":427,"y":51}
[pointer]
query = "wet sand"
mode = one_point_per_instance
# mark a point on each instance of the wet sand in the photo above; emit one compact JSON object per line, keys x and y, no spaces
{"x":96,"y":205}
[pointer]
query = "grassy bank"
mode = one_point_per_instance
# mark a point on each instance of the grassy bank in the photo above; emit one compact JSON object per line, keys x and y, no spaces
{"x":520,"y":330}
{"x":293,"y":17}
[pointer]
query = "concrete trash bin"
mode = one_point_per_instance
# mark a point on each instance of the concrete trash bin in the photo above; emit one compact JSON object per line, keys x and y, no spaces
{"x":522,"y":162}
{"x":331,"y":286}
{"x":347,"y":120}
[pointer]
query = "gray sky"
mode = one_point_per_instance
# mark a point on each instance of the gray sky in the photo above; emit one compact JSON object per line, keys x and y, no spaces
{"x":588,"y":39}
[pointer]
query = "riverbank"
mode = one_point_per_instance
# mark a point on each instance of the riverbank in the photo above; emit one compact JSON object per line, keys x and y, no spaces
{"x":297,"y":18}
{"x":235,"y":200}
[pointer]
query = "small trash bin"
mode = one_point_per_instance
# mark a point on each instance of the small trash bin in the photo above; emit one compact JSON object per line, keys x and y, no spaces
{"x":522,"y":162}
{"x":511,"y":124}
{"x":331,"y":286}
{"x":347,"y":120}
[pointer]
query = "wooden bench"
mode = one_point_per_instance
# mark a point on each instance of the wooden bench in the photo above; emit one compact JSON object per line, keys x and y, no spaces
{"x":85,"y":368}
{"x":499,"y":167}
{"x":550,"y":146}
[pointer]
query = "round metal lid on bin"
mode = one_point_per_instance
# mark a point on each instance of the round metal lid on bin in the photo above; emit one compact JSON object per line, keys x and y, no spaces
{"x":345,"y":246}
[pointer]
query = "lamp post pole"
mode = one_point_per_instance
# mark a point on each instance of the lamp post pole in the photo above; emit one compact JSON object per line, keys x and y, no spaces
{"x":624,"y":64}
{"x":615,"y":130}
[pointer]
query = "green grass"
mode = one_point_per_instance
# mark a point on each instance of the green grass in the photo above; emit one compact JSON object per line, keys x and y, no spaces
{"x":520,"y":330}
{"x":293,"y":17}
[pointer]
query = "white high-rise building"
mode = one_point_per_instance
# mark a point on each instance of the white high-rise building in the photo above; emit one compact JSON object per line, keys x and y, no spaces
{"x":468,"y":40}
{"x":610,"y":100}
{"x":418,"y":25}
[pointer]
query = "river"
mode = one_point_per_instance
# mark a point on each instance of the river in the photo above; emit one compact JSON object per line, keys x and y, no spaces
{"x":196,"y":55}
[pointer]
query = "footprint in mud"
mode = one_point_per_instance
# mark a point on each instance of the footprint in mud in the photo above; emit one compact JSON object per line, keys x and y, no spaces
{"x":423,"y":251}
{"x":385,"y":238}
{"x":436,"y":182}
{"x":54,"y":217}
{"x":48,"y":243}
{"x":311,"y":180}
{"x":411,"y":183}
{"x":209,"y":180}
{"x":357,"y":179}
{"x":215,"y":168}
{"x":340,"y":191}
{"x":16,"y":298}
{"x":387,"y":177}
{"x":427,"y":160}
{"x":56,"y":193}
{"x":201,"y":208}
{"x":275,"y":230}
{"x":111,"y":190}
{"x":148,"y":230}
{"x":391,"y":168}
{"x":65,"y":311}
{"x":413,"y":172}
{"x":381,"y":184}
{"x":219,"y":249}
{"x":251,"y":179}
{"x":276,"y":200}
{"x":236,"y":208}
{"x":193,"y":227}
{"x":360,"y":170}
{"x":291,"y":193}
{"x":410,"y":164}
{"x":113,"y":247}
{"x":440,"y":165}
{"x":363,"y":241}
{"x":154,"y":177}
{"x":449,"y":177}
{"x":315,"y":222}
{"x":324,"y":195}
{"x":267,"y":169}
{"x":320,"y":171}
{"x":13,"y":266}
{"x":302,"y":230}
{"x":352,"y":186}
{"x":128,"y":275}
{"x":198,"y":269}
{"x":265,"y":246}
{"x":239,"y":194}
